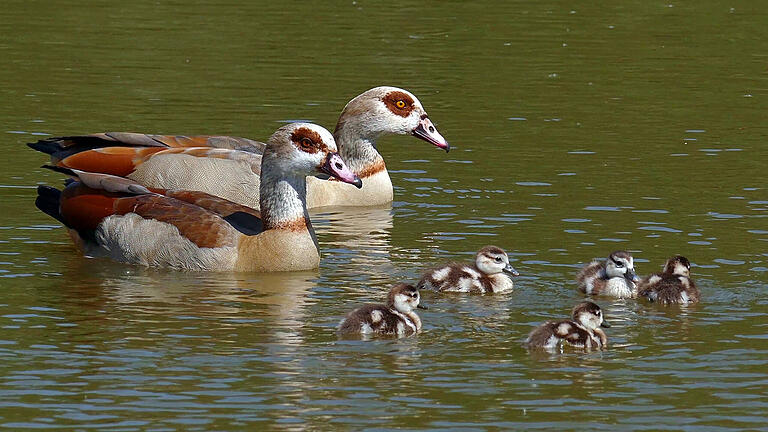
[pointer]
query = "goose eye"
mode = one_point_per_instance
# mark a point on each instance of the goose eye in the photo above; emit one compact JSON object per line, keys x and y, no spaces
{"x":400,"y":104}
{"x":306,"y":143}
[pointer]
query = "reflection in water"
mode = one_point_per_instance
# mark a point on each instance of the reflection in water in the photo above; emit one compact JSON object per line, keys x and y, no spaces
{"x":276,"y":301}
{"x":357,"y":242}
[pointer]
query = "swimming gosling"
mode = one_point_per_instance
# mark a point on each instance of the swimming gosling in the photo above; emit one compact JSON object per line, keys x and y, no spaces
{"x":488,"y":274}
{"x":673,"y":286}
{"x":581,"y":331}
{"x":614,"y":277}
{"x":396,"y":318}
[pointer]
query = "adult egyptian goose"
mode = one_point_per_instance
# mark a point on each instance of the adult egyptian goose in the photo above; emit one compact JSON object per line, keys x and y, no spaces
{"x":673,"y":286}
{"x":397,"y":317}
{"x":119,"y":218}
{"x":614,"y":277}
{"x":228,"y":166}
{"x":581,"y":331}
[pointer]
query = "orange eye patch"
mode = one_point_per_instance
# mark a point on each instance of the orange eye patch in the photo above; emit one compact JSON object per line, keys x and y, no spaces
{"x":399,"y":103}
{"x":308,"y":140}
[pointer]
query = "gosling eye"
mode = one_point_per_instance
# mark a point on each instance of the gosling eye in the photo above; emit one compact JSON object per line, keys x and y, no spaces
{"x":619,"y":264}
{"x":498,"y":259}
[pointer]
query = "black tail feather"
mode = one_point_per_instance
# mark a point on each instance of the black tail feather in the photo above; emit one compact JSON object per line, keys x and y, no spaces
{"x":49,"y":146}
{"x":48,"y":199}
{"x":62,"y":147}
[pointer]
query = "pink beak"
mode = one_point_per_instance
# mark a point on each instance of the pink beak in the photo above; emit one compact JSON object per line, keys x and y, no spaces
{"x":427,"y":131}
{"x":335,"y":167}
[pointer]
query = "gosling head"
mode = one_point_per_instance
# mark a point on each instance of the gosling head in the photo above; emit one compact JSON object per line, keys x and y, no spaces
{"x":678,"y":265}
{"x":589,"y":315}
{"x":492,"y":260}
{"x":404,"y":298}
{"x":390,"y":110}
{"x":621,"y":264}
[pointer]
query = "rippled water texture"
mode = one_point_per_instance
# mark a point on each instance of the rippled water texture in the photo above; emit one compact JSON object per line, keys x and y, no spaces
{"x":577,"y":129}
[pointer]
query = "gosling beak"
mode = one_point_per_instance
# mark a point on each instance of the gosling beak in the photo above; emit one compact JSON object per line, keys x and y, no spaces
{"x":605,"y":324}
{"x":511,"y":270}
{"x":335,"y":167}
{"x":421,"y":306}
{"x":427,"y":131}
{"x":631,"y":276}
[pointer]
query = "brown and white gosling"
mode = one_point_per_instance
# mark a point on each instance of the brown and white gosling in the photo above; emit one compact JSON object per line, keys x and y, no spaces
{"x":486,"y":275}
{"x":582,"y":331}
{"x":396,"y":318}
{"x":673,"y":285}
{"x":614,"y":277}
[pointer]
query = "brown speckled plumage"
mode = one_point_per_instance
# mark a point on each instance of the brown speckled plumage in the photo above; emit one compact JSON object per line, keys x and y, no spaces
{"x":672,"y":286}
{"x":577,"y":332}
{"x":613,"y":276}
{"x":385,"y":319}
{"x":483,"y":276}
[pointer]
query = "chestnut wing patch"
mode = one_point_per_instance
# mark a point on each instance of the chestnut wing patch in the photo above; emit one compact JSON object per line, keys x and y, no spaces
{"x":200,"y":226}
{"x":244,"y":219}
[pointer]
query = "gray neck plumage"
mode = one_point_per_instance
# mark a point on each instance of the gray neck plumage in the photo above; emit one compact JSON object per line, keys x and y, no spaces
{"x":283,"y":198}
{"x":357,"y":146}
{"x":602,"y":274}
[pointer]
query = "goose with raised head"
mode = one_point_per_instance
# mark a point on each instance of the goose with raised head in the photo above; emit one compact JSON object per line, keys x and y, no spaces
{"x":229,"y":166}
{"x":614,"y":277}
{"x":119,"y":218}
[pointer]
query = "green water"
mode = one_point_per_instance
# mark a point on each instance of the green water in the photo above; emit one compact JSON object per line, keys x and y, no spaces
{"x":577,"y":129}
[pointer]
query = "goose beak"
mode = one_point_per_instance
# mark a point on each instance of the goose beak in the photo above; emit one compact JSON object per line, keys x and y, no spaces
{"x":335,"y":167}
{"x":605,"y":324}
{"x":511,"y":270}
{"x":428,"y":132}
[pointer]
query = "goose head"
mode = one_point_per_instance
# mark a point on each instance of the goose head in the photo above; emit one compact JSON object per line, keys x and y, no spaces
{"x":388,"y":110}
{"x":589,"y":315}
{"x":621,"y":264}
{"x":678,"y":265}
{"x":404,"y":298}
{"x":308,"y":149}
{"x":492,"y":260}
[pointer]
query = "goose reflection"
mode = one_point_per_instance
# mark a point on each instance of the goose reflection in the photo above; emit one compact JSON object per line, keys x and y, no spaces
{"x":224,"y":305}
{"x":356,"y":240}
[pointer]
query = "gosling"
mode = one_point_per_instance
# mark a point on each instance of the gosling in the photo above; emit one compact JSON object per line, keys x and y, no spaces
{"x":673,"y":286}
{"x":614,"y":277}
{"x":395,"y":318}
{"x":582,"y":331}
{"x":487,"y":275}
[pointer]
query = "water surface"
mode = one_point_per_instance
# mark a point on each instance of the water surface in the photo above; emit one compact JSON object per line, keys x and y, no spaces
{"x":577,"y":130}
